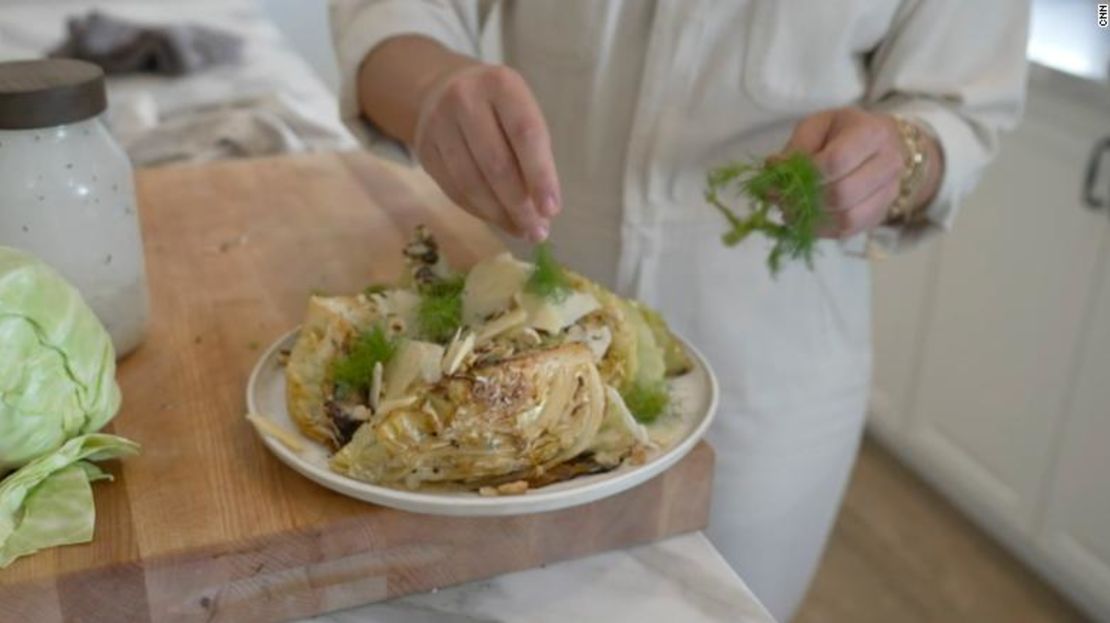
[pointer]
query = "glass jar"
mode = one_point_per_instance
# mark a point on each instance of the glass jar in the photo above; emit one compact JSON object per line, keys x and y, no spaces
{"x":66,"y":190}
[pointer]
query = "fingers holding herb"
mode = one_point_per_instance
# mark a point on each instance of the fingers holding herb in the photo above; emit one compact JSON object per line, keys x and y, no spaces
{"x":499,"y":168}
{"x":784,"y":199}
{"x":531,"y":143}
{"x":482,"y":136}
{"x":858,"y":155}
{"x":861,"y":156}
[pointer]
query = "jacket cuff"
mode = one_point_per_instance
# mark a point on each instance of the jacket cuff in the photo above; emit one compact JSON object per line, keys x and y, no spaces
{"x":960,"y":149}
{"x":357,"y":38}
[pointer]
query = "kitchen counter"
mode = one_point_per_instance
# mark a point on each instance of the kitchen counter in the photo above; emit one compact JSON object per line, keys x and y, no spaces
{"x":206,"y":525}
{"x":680,"y":579}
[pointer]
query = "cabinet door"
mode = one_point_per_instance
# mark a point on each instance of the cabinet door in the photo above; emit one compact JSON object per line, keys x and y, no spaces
{"x":1076,"y":531}
{"x":1012,"y":286}
{"x":903,"y":296}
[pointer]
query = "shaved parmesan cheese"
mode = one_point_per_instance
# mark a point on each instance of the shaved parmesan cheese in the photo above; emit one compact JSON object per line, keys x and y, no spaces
{"x":400,"y":302}
{"x":431,"y":364}
{"x":268,"y":427}
{"x":413,"y":360}
{"x":553,"y":316}
{"x":501,"y":324}
{"x":399,"y":305}
{"x":542,"y":314}
{"x":490,"y":286}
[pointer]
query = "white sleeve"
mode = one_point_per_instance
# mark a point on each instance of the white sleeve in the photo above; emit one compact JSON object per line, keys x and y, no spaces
{"x":358,"y":26}
{"x":959,"y":67}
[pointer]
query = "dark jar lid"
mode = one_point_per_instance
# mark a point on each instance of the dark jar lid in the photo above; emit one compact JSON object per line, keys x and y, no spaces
{"x":49,"y":92}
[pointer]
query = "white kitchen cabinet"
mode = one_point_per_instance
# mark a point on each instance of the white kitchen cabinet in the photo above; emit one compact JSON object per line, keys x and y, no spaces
{"x":903,"y":287}
{"x":992,"y":362}
{"x":1076,"y":527}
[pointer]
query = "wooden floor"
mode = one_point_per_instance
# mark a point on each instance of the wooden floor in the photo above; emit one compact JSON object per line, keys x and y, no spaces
{"x":900,"y":553}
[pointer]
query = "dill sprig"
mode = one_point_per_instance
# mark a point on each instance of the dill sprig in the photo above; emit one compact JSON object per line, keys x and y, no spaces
{"x":439,"y":314}
{"x":785,"y":205}
{"x":646,"y":401}
{"x":547,"y":279}
{"x":353,"y":371}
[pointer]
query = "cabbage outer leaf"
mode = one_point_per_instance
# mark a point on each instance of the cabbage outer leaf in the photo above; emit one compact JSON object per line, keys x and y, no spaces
{"x":49,"y":502}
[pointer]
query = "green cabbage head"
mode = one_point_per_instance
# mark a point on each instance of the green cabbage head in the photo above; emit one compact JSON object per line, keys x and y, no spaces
{"x":57,"y":366}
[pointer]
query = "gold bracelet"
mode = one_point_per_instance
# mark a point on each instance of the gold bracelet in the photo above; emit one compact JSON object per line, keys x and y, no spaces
{"x":915,"y":163}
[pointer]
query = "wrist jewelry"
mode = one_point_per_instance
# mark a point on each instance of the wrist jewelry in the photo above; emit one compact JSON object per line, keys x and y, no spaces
{"x":915,"y":163}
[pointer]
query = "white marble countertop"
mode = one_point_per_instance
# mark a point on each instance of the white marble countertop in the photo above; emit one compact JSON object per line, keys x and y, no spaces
{"x":680,"y":579}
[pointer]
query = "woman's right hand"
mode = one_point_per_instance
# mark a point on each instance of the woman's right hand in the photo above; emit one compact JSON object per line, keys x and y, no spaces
{"x":481,"y":135}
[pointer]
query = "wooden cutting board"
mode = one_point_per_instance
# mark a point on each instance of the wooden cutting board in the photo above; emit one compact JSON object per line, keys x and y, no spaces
{"x":205,"y":525}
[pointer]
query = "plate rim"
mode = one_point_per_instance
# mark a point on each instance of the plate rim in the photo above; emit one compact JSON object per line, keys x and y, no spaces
{"x":534,"y":501}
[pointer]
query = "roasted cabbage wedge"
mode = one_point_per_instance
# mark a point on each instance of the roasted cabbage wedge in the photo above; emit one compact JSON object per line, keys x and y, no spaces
{"x":529,"y":388}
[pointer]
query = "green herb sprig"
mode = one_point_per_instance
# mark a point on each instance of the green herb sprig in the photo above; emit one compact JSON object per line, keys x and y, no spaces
{"x":439,"y":314}
{"x":785,"y":200}
{"x":352,"y":373}
{"x":547,"y":279}
{"x":646,"y":401}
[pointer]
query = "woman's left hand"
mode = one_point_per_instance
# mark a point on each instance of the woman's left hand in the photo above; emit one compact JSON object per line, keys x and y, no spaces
{"x":860,"y":156}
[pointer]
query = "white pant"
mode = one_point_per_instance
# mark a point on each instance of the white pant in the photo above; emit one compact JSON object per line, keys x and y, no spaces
{"x":773,"y":505}
{"x":792,"y":356}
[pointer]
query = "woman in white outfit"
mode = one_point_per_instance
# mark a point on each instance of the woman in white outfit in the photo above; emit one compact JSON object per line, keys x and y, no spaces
{"x":595,"y":123}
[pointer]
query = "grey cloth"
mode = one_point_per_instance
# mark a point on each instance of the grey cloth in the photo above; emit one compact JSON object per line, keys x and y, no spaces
{"x":121,"y":46}
{"x":240,"y":128}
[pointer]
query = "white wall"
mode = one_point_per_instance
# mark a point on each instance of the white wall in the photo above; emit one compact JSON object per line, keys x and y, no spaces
{"x":305,"y":24}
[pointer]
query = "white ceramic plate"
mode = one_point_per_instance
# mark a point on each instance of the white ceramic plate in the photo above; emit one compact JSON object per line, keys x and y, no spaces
{"x":693,"y":394}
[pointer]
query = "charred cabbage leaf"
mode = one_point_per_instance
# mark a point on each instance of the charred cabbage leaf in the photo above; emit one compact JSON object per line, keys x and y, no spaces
{"x":519,"y":417}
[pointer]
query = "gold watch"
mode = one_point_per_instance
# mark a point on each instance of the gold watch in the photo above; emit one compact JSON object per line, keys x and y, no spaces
{"x":915,"y":164}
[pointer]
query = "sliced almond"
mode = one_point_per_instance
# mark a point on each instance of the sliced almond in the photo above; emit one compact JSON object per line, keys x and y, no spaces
{"x":501,"y":324}
{"x":268,"y":427}
{"x":453,"y":359}
{"x":455,"y":338}
{"x":452,"y":346}
{"x":396,"y":403}
{"x":376,"y":386}
{"x":517,"y":487}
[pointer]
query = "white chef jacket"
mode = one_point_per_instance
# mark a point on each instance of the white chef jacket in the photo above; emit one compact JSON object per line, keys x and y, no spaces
{"x":642,"y":98}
